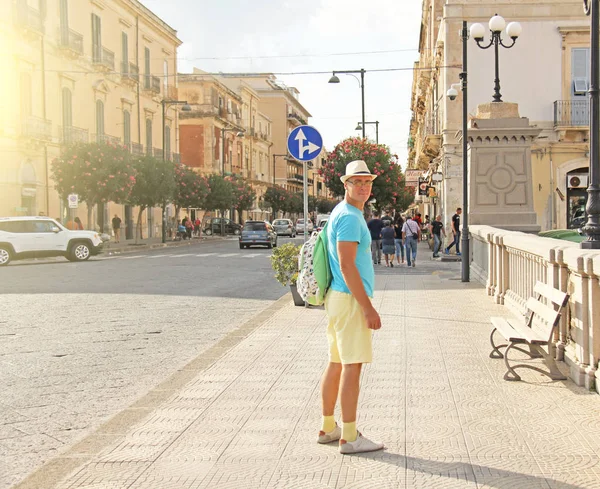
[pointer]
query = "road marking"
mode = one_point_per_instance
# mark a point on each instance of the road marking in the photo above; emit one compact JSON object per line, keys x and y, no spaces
{"x":158,"y":256}
{"x":253,"y":255}
{"x":180,"y":256}
{"x":132,"y":257}
{"x":227,"y":255}
{"x":205,"y":254}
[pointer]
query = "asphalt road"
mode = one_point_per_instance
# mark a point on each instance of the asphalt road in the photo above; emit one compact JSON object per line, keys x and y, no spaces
{"x":80,"y":342}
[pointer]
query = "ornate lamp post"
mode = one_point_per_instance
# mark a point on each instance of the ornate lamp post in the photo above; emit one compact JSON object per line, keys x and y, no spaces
{"x":335,"y":79}
{"x":592,"y":208}
{"x":360,"y":127}
{"x":496,"y":25}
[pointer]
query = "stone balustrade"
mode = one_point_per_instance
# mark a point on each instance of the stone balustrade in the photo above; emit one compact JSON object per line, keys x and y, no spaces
{"x":509,"y":263}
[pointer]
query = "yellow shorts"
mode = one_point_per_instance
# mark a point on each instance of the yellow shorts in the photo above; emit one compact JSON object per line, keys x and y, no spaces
{"x":349,"y":338}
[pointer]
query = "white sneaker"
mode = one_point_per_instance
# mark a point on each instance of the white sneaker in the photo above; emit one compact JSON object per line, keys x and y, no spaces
{"x":333,"y":435}
{"x":361,"y":444}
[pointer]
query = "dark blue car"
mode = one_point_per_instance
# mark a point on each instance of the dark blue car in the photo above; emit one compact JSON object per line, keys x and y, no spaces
{"x":258,"y":233}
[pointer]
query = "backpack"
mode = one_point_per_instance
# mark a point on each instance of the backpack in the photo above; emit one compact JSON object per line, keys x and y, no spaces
{"x":314,"y":276}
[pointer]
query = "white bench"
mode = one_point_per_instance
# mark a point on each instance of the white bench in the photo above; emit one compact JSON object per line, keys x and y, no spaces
{"x":535,"y":330}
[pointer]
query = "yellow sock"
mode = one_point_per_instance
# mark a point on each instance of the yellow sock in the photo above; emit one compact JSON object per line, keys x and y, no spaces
{"x":328,"y":424}
{"x":349,"y":432}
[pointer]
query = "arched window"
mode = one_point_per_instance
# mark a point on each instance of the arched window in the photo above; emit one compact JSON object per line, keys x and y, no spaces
{"x":99,"y":118}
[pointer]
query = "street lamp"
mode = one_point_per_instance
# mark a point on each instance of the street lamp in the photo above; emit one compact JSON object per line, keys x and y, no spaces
{"x":496,"y":25}
{"x":452,"y":94}
{"x":186,"y":108}
{"x":335,"y":79}
{"x":592,"y":208}
{"x":359,"y":127}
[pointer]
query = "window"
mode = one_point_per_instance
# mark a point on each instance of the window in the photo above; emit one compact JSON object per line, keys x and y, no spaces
{"x":168,"y":142}
{"x":13,"y":226}
{"x":580,"y":76}
{"x":166,"y":78}
{"x":25,"y":86}
{"x":127,"y":128}
{"x":149,"y":136}
{"x":147,"y":80}
{"x":67,"y":114}
{"x":99,"y":117}
{"x":124,"y":53}
{"x":96,"y":39}
{"x":255,"y":226}
{"x":64,"y":22}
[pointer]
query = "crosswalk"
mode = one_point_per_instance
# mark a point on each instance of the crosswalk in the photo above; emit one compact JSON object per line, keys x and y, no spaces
{"x":187,"y":255}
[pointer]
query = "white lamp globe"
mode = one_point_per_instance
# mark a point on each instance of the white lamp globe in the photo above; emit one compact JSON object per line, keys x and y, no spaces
{"x":477,"y":31}
{"x":497,"y":23}
{"x":514,"y":30}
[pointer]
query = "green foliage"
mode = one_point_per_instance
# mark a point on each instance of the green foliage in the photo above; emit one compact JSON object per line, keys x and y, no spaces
{"x":325,"y":206}
{"x":275,"y":197}
{"x":98,"y":173}
{"x":221,"y":196}
{"x":155,"y":183}
{"x":243,"y":194}
{"x":284,"y":261}
{"x":389,"y":184}
{"x":192,"y":189}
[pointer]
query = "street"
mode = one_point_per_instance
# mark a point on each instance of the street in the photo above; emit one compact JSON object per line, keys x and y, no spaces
{"x":80,"y":342}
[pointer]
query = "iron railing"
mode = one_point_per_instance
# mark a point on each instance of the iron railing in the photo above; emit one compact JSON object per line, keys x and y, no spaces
{"x":571,"y":113}
{"x":152,"y":83}
{"x":72,"y":135}
{"x":105,"y":58}
{"x":71,"y":40}
{"x":130,"y":71}
{"x":37,"y":128}
{"x":106,"y":139}
{"x":29,"y":17}
{"x":136,"y":149}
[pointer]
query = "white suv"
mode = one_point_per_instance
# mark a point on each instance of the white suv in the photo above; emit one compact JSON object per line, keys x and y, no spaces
{"x":35,"y":237}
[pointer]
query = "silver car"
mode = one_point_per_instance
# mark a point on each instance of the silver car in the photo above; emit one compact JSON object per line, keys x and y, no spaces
{"x":284,"y":227}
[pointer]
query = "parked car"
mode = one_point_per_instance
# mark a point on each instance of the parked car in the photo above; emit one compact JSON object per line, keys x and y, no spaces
{"x":40,"y":237}
{"x":258,"y":233}
{"x":300,"y":226}
{"x":321,"y":225}
{"x":212,"y":225}
{"x":284,"y":227}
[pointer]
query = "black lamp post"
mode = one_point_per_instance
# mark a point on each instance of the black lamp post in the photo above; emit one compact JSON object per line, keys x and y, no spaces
{"x":186,"y":108}
{"x":359,"y":127}
{"x":592,"y":208}
{"x":335,"y":79}
{"x":496,"y":24}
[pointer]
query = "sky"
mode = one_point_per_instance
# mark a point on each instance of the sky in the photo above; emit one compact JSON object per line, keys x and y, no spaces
{"x":287,"y":36}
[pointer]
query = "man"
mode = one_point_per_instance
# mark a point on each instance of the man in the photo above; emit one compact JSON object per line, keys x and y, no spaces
{"x":437,"y":230}
{"x":352,"y":317}
{"x":116,"y":225}
{"x":455,"y":233}
{"x":411,"y":234}
{"x":375,"y":226}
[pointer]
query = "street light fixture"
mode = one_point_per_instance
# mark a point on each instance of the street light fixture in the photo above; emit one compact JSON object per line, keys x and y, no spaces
{"x":185,"y":108}
{"x":359,"y":127}
{"x":592,"y":208}
{"x":496,"y":25}
{"x":335,"y":79}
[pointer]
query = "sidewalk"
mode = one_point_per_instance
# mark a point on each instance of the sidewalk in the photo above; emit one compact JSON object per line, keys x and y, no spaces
{"x":245,"y":413}
{"x":129,"y":246}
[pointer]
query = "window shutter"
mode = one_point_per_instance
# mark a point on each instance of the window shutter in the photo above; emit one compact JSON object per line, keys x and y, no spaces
{"x":67,"y":108}
{"x":99,"y":118}
{"x":147,"y":66}
{"x":26,"y":104}
{"x":64,"y":22}
{"x":127,"y":128}
{"x":125,"y":53}
{"x":96,"y":38}
{"x":149,"y":136}
{"x":167,"y":141}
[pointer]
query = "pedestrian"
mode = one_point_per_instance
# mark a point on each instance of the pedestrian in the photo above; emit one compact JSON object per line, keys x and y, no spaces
{"x":438,"y":232}
{"x":388,"y":243}
{"x":197,"y":223}
{"x":116,"y":225}
{"x":455,"y":233}
{"x":411,"y":233}
{"x":398,"y":241}
{"x":375,"y":226}
{"x":189,"y":228}
{"x":352,"y":317}
{"x":78,"y":224}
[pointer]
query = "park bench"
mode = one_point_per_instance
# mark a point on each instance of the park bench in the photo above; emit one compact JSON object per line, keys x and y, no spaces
{"x":535,"y":330}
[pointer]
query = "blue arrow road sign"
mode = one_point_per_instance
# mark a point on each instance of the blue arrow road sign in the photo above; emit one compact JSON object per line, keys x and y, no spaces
{"x":304,"y":143}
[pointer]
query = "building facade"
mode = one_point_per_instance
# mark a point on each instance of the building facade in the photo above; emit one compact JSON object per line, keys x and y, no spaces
{"x":546,"y":73}
{"x":81,"y":71}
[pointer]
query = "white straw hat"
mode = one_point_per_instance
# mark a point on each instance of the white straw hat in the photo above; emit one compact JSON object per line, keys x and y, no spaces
{"x":357,"y":168}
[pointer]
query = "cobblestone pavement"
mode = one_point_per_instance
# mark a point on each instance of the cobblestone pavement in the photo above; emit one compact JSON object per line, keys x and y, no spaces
{"x":245,"y":414}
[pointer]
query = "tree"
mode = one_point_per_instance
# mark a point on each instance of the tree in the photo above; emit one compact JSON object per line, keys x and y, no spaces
{"x":294,"y":203}
{"x":155,"y":186}
{"x":192,"y":189}
{"x":312,"y":203}
{"x":388,"y":185}
{"x":220,"y":196}
{"x":243,"y":196}
{"x":275,"y":198}
{"x":325,"y":206}
{"x":97,"y":173}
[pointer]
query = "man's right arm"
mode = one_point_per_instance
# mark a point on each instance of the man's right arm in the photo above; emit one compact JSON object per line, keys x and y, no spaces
{"x":347,"y":255}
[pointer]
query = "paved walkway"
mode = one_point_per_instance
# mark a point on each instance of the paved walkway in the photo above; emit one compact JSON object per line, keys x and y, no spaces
{"x":245,"y":413}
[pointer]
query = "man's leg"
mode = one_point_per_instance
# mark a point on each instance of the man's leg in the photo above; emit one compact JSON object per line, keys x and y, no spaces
{"x":408,"y":254}
{"x":458,"y":243}
{"x":330,"y":386}
{"x":374,"y":248}
{"x":350,"y":388}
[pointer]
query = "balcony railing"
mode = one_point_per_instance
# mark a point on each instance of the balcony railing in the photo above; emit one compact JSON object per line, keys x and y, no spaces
{"x":136,"y":149}
{"x":157,"y":152}
{"x":152,"y":83}
{"x":70,"y":40}
{"x":37,"y":128}
{"x":294,"y":116}
{"x":28,"y":17}
{"x":106,"y":139}
{"x":105,"y":58}
{"x":130,"y":72}
{"x":571,"y":113}
{"x":176,"y":157}
{"x":72,"y":135}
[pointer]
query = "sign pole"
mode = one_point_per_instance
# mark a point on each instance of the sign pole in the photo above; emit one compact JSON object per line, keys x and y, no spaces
{"x":305,"y":198}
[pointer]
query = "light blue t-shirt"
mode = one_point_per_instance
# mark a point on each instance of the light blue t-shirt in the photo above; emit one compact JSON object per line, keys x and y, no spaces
{"x":347,"y":223}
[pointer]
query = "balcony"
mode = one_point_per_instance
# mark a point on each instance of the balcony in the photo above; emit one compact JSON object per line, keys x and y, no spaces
{"x":74,"y":135}
{"x":152,"y":83}
{"x":106,"y":139}
{"x":136,"y":149}
{"x":37,"y":128}
{"x":295,"y":178}
{"x":70,"y":41}
{"x":294,"y":117}
{"x":130,"y":73}
{"x":29,"y":18}
{"x":104,"y":59}
{"x":158,"y":153}
{"x":571,"y":113}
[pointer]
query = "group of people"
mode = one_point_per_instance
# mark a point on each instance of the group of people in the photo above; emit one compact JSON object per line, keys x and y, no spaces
{"x":189,"y":228}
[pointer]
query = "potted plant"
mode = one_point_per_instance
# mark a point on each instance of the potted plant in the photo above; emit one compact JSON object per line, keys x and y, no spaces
{"x":284,"y":261}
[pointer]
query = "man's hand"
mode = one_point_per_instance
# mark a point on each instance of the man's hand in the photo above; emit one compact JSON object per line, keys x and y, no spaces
{"x":372,"y":318}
